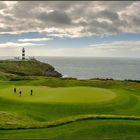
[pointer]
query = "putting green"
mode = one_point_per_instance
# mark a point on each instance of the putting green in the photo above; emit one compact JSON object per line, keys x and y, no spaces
{"x":59,"y":95}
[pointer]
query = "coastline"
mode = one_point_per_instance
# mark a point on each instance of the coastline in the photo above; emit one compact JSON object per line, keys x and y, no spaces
{"x":95,"y":67}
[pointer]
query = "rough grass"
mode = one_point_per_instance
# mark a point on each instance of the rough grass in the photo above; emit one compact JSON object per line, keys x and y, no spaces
{"x":30,"y":67}
{"x":87,"y":129}
{"x":12,"y":120}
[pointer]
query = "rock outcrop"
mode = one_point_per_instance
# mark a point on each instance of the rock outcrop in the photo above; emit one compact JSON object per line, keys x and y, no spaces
{"x":53,"y":73}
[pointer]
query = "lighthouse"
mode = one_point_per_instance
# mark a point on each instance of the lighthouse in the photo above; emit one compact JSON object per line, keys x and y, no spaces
{"x":23,"y":54}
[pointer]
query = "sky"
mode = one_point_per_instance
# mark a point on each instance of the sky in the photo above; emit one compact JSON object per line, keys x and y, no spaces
{"x":68,"y":28}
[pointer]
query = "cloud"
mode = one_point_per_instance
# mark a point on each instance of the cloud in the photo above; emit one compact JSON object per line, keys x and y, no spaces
{"x":34,"y":39}
{"x":110,"y":49}
{"x":2,"y":5}
{"x":70,"y":19}
{"x":117,"y":49}
{"x":13,"y":48}
{"x":55,"y":17}
{"x":16,"y":44}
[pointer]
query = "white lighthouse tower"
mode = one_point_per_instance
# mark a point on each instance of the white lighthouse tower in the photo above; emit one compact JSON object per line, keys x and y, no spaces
{"x":23,"y":54}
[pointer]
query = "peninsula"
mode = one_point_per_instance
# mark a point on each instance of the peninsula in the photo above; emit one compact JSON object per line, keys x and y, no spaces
{"x":26,"y":67}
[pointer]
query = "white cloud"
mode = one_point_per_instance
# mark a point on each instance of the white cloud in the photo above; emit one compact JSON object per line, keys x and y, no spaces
{"x":34,"y":39}
{"x":15,"y":44}
{"x":70,"y":19}
{"x":14,"y":48}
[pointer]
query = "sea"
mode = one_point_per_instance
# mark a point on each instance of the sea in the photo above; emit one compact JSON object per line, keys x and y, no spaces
{"x":94,"y":67}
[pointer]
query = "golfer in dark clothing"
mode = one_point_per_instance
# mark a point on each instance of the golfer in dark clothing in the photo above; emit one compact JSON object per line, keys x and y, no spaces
{"x":31,"y":92}
{"x":15,"y":90}
{"x":20,"y":93}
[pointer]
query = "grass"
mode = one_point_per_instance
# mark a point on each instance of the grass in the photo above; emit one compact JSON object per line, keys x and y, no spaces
{"x":45,"y":94}
{"x":87,"y":129}
{"x":11,"y":121}
{"x":71,"y":108}
{"x":30,"y":67}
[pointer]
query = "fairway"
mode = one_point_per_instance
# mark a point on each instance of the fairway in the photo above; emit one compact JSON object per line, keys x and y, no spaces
{"x":69,"y":109}
{"x":59,"y":95}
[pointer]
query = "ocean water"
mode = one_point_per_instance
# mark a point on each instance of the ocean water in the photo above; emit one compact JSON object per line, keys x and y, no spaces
{"x":87,"y":68}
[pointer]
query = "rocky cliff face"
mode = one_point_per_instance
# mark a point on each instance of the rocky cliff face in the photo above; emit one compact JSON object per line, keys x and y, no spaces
{"x":28,"y":68}
{"x":53,"y":73}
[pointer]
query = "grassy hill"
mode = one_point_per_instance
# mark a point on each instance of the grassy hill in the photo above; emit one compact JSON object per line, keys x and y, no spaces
{"x":11,"y":68}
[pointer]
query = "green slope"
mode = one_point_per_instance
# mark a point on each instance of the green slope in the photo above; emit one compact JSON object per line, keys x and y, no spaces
{"x":113,"y":110}
{"x":27,"y":68}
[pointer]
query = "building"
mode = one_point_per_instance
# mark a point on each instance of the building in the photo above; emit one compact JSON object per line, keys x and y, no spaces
{"x":23,"y":54}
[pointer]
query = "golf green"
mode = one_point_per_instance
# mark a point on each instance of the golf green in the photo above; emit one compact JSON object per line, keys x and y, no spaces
{"x":58,"y":95}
